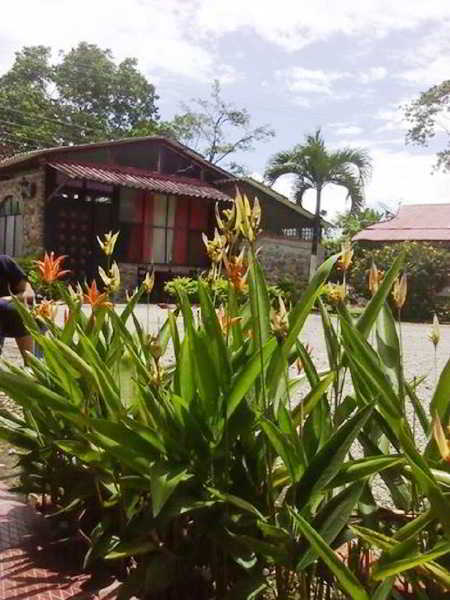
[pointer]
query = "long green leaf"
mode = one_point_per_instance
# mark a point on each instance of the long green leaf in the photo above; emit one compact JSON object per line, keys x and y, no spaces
{"x":332,"y":518}
{"x":440,"y":404}
{"x":386,"y":567}
{"x":342,"y":573}
{"x":248,"y":375}
{"x":369,"y":316}
{"x":275,"y":379}
{"x":326,"y":464}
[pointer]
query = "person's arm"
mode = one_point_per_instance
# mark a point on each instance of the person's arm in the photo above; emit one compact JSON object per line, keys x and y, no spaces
{"x":16,"y":279}
{"x":24,"y":292}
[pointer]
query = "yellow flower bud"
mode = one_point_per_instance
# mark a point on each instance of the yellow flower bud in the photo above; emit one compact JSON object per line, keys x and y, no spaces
{"x":400,"y":290}
{"x":435,"y":335}
{"x":375,"y":278}
{"x":345,"y":259}
{"x":149,"y":281}
{"x":107,"y":245}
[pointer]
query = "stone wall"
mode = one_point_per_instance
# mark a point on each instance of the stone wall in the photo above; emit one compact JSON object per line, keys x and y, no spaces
{"x":284,"y":258}
{"x":128,"y":276}
{"x":20,"y":187}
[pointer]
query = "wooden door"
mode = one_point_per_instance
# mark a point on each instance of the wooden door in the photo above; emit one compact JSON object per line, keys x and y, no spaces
{"x":73,"y":223}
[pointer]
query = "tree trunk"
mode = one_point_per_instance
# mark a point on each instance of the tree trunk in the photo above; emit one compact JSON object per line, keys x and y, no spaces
{"x":317,"y":224}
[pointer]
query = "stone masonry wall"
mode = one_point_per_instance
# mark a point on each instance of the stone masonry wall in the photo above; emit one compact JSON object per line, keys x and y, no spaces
{"x":284,"y":258}
{"x":128,"y":277}
{"x":32,"y":208}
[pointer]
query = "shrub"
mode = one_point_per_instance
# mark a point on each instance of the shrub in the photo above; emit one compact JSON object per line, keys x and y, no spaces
{"x":199,"y":477}
{"x":185,"y":285}
{"x":427,"y":267}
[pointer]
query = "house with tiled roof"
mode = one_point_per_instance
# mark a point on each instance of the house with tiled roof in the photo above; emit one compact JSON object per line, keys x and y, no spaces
{"x":413,"y":222}
{"x":158,"y":192}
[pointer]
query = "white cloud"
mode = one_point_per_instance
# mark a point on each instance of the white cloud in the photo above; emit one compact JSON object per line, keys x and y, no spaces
{"x":293,"y":24}
{"x":346,"y":129}
{"x":429,"y":62}
{"x":299,"y":79}
{"x":158,"y":32}
{"x":393,"y":117}
{"x":373,"y":74}
{"x":401,"y":176}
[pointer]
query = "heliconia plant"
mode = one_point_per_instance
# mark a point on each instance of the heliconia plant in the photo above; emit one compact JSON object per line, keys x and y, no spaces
{"x":212,"y":459}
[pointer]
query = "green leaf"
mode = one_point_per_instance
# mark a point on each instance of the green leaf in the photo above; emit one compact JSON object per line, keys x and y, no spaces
{"x":307,"y":404}
{"x":259,"y":303}
{"x":383,"y":591}
{"x":164,"y":479}
{"x":297,"y":318}
{"x":325,"y":465}
{"x":388,"y":345}
{"x":342,"y":573}
{"x":185,"y":372}
{"x":440,"y":404}
{"x":248,"y":375}
{"x":236,"y":501}
{"x":364,"y":467}
{"x":369,"y":316}
{"x":387,"y":567}
{"x":332,"y":518}
{"x":132,"y":548}
{"x":213,"y":330}
{"x":286,"y":450}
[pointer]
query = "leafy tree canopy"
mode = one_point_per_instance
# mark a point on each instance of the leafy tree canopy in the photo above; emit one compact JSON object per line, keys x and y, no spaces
{"x":84,"y":97}
{"x":428,"y":117}
{"x":218,"y":129}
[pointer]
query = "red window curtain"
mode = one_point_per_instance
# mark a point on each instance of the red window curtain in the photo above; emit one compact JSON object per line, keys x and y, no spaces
{"x":179,"y":252}
{"x":199,"y":214}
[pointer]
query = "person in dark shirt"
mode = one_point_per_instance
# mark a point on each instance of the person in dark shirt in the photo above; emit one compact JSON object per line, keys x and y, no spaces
{"x":13,"y":281}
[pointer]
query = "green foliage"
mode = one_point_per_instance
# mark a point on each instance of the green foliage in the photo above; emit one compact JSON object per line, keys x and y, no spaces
{"x":315,"y":167}
{"x":218,"y":129}
{"x":182,"y":285}
{"x":219,"y":287}
{"x":197,"y":462}
{"x":426,"y":115}
{"x":85,"y":97}
{"x":349,"y":224}
{"x":427,"y":269}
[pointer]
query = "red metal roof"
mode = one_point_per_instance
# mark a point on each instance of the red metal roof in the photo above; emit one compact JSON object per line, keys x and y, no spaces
{"x":140,"y":178}
{"x":414,"y":222}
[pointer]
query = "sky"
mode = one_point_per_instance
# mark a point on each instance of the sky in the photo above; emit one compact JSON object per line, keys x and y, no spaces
{"x":347,"y":67}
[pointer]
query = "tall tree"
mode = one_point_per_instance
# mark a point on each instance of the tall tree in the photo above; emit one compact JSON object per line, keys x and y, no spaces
{"x":84,"y":97}
{"x":315,"y":167}
{"x":429,"y":116}
{"x":218,"y":129}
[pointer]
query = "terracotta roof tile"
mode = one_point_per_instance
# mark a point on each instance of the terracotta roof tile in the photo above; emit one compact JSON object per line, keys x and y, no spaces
{"x":139,"y":178}
{"x":421,"y":222}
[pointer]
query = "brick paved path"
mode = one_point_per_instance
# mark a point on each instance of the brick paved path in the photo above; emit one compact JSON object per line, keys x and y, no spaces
{"x":29,"y":571}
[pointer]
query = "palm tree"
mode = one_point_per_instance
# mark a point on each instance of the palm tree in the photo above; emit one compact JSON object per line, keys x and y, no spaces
{"x":315,"y":167}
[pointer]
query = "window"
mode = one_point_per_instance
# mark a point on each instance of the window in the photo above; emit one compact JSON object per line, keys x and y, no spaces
{"x":161,"y":229}
{"x":11,"y":226}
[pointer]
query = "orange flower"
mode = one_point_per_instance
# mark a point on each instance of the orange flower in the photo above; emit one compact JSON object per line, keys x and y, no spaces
{"x":95,"y":298}
{"x":400,"y":290}
{"x":375,"y":278}
{"x":225,"y":321}
{"x":50,"y":267}
{"x":237,"y":271}
{"x":46,"y":310}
